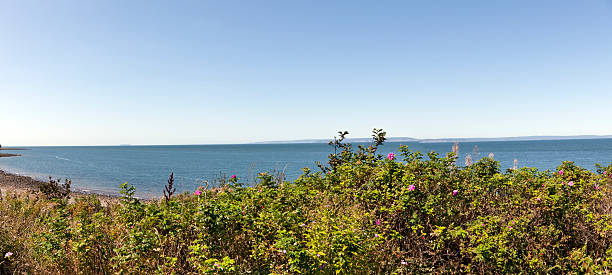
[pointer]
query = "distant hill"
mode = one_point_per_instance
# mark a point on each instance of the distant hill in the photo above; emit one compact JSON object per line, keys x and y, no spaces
{"x":409,"y":139}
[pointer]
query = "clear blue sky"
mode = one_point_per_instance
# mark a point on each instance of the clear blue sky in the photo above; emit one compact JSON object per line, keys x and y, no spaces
{"x":192,"y":72}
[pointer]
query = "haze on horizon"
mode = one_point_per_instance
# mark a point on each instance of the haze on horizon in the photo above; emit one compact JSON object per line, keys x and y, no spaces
{"x":201,"y":72}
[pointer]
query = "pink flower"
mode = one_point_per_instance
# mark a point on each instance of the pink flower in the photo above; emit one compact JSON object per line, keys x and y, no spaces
{"x":377,"y":221}
{"x":233,"y":176}
{"x":411,"y":187}
{"x":8,"y":254}
{"x":561,"y":172}
{"x":403,"y":262}
{"x":390,"y":156}
{"x":197,"y":192}
{"x":571,"y":183}
{"x":538,"y":198}
{"x":455,"y":192}
{"x":596,"y":187}
{"x":605,"y":172}
{"x":376,"y":235}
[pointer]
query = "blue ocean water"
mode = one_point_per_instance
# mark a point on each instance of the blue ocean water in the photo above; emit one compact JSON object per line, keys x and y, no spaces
{"x":103,"y":168}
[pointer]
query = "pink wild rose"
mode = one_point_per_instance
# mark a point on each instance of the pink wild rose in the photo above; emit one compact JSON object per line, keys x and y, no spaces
{"x":8,"y":254}
{"x":561,"y":172}
{"x":411,"y":187}
{"x":377,"y":221}
{"x":571,"y":183}
{"x":197,"y":192}
{"x":390,"y":156}
{"x":455,"y":192}
{"x":233,"y":176}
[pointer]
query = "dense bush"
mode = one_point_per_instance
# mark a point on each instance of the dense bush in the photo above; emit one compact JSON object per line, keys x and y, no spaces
{"x":362,"y":212}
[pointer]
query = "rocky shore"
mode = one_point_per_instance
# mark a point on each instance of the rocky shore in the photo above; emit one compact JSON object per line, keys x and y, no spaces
{"x":18,"y":184}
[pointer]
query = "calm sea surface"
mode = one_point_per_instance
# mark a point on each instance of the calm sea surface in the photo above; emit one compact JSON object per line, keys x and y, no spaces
{"x":103,"y":168}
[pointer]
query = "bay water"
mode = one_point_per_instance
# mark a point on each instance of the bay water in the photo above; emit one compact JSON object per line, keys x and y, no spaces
{"x":102,"y":169}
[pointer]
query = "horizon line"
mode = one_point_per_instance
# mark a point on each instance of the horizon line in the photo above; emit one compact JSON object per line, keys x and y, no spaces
{"x":357,"y":139}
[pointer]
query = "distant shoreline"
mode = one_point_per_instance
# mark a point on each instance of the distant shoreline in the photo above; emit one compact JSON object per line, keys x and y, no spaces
{"x":8,"y":155}
{"x":445,"y":140}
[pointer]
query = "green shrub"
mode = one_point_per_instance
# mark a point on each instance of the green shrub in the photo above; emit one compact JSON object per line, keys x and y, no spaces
{"x":361,"y":213}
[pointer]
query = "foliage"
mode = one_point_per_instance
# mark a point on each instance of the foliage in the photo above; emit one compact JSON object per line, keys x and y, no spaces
{"x":54,"y":189}
{"x":361,"y":212}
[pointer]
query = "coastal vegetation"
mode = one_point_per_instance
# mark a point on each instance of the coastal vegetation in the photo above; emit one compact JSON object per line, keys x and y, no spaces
{"x":361,"y":212}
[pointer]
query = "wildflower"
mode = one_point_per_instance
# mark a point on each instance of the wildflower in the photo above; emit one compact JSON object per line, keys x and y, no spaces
{"x":284,"y":251}
{"x":197,"y":192}
{"x":403,"y":262}
{"x":411,"y":187}
{"x":377,"y":221}
{"x":542,"y":185}
{"x":455,"y":192}
{"x":561,"y":172}
{"x":233,"y":176}
{"x":509,"y":227}
{"x":390,"y":156}
{"x":8,"y":254}
{"x":376,"y":235}
{"x":538,"y":198}
{"x":596,"y":187}
{"x":302,"y":225}
{"x":468,"y":160}
{"x":482,"y":224}
{"x":605,"y":172}
{"x":571,"y":183}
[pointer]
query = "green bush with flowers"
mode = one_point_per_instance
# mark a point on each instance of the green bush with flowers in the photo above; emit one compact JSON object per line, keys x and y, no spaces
{"x":361,"y":213}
